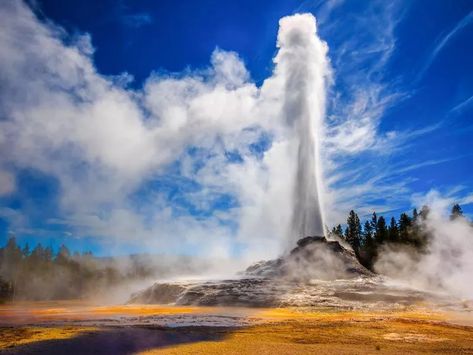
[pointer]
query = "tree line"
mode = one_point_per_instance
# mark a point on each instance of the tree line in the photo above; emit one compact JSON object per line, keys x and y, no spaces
{"x":41,"y":274}
{"x":368,"y":238}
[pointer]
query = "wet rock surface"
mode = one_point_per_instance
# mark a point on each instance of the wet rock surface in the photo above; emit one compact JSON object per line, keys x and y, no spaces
{"x":318,"y":272}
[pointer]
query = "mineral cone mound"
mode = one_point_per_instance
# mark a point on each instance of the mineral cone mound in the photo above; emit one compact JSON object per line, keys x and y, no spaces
{"x":313,"y":258}
{"x":318,"y":272}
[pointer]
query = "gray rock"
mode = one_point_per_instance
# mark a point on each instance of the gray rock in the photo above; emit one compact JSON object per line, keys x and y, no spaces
{"x":283,"y":281}
{"x":313,"y":258}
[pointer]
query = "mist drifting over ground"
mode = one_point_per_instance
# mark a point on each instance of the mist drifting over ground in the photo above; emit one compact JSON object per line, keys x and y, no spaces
{"x":447,"y":264}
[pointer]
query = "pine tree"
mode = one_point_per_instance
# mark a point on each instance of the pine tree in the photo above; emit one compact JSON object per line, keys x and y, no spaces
{"x":48,"y":254}
{"x":26,"y":251}
{"x":374,"y":221}
{"x":374,"y":225}
{"x":63,"y":252}
{"x":38,"y":254}
{"x":63,"y":255}
{"x":424,"y":212}
{"x":456,"y":212}
{"x":11,"y":263}
{"x":416,"y":235}
{"x":337,"y":231}
{"x":367,"y":232}
{"x":11,"y":259}
{"x":393,"y":231}
{"x":405,"y":224}
{"x":368,"y":250}
{"x":353,"y":234}
{"x":381,"y":231}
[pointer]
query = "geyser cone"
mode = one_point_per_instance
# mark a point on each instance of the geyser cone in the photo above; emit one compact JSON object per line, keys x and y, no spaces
{"x":302,"y":62}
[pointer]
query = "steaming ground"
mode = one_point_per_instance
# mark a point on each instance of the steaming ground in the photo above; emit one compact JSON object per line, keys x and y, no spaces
{"x":447,"y":265}
{"x":338,"y":306}
{"x":360,"y":294}
{"x":317,"y":273}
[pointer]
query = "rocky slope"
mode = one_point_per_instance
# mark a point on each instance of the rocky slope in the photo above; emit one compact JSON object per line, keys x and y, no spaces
{"x":317,"y":272}
{"x":313,"y":258}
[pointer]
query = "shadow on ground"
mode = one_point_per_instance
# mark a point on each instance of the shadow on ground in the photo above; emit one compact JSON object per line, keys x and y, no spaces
{"x":126,"y":340}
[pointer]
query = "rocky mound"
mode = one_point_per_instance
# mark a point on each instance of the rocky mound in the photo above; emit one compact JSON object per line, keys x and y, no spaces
{"x":313,"y":258}
{"x":268,"y":283}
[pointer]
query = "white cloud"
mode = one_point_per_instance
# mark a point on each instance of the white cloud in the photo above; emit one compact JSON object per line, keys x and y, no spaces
{"x":355,"y":150}
{"x":465,"y":21}
{"x":365,"y":163}
{"x":136,"y":20}
{"x":462,"y":105}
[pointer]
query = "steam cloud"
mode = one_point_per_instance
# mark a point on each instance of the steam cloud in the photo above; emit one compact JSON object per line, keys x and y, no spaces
{"x":447,"y":265}
{"x":103,"y":142}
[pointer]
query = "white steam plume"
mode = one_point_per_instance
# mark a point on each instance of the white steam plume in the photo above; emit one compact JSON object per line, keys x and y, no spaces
{"x":303,"y":63}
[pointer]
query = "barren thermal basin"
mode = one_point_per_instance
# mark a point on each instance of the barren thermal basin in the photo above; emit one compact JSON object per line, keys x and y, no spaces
{"x":80,"y":327}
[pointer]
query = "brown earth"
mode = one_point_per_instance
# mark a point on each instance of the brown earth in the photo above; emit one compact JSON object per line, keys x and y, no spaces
{"x":340,"y":333}
{"x":271,"y":331}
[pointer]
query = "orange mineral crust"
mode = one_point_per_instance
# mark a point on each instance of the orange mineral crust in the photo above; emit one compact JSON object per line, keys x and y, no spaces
{"x":51,"y":327}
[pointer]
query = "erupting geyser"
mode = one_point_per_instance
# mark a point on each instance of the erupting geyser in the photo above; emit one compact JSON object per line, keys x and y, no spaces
{"x":302,"y":62}
{"x":299,"y":81}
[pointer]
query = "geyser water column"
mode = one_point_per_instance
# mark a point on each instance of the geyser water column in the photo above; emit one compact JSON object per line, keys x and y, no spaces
{"x":302,"y":65}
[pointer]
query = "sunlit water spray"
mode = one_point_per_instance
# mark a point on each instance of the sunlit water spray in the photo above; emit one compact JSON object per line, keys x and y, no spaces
{"x":302,"y":62}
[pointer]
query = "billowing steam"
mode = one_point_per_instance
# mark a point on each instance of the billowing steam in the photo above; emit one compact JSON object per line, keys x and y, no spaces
{"x":211,"y":132}
{"x":447,"y":264}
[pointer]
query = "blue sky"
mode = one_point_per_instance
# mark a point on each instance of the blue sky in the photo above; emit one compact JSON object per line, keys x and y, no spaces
{"x":399,"y":118}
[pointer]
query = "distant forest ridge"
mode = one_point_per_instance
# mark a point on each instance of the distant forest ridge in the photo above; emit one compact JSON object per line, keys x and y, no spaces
{"x":41,"y":274}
